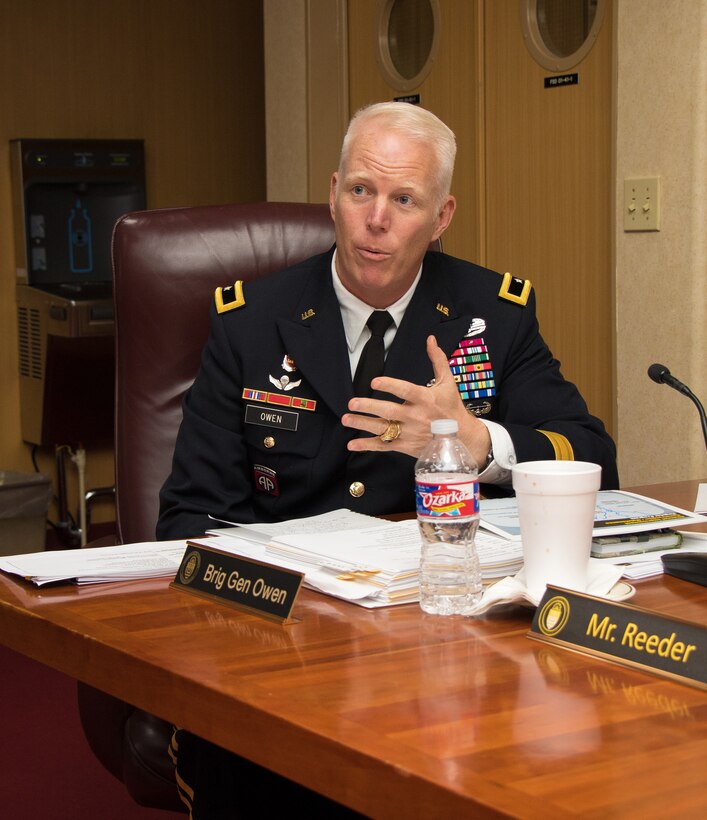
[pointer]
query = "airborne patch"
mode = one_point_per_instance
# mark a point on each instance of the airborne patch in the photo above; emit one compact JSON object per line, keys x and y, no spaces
{"x":265,"y":480}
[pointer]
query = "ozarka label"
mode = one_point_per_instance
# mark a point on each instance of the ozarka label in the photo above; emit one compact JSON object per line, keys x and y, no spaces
{"x":447,"y":499}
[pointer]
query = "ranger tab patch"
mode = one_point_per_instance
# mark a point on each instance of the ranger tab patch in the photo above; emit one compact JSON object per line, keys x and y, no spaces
{"x":230,"y":297}
{"x":514,"y":289}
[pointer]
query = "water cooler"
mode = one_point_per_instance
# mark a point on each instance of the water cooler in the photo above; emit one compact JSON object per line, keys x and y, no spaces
{"x":67,"y":196}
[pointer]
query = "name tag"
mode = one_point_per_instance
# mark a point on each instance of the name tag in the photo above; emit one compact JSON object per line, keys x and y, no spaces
{"x":268,"y":417}
{"x":249,"y":585}
{"x":626,"y":634}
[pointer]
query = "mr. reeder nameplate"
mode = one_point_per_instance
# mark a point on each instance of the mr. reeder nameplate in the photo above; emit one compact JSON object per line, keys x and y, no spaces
{"x":244,"y":583}
{"x":623,"y":633}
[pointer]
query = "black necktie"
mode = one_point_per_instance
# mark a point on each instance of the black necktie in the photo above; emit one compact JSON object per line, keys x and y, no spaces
{"x":372,"y":358}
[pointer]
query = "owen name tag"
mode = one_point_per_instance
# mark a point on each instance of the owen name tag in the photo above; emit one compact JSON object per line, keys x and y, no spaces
{"x":244,"y":583}
{"x":623,"y":633}
{"x":270,"y":417}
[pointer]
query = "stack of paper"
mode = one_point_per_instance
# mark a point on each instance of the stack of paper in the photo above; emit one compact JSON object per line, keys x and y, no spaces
{"x":618,"y":514}
{"x":98,"y":564}
{"x":647,"y":564}
{"x":498,"y":556}
{"x":374,"y":579}
{"x":332,"y":553}
{"x":385,"y":556}
{"x":613,"y":546}
{"x":358,"y":558}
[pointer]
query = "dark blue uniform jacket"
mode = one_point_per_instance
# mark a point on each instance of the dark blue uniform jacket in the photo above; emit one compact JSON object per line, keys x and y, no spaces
{"x":261,"y":437}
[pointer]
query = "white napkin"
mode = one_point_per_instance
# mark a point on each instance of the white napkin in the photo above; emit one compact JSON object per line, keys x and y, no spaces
{"x":601,"y":578}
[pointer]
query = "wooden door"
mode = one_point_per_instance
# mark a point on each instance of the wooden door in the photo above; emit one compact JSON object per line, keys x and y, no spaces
{"x":533,"y":177}
{"x":549,"y":193}
{"x":452,"y":90}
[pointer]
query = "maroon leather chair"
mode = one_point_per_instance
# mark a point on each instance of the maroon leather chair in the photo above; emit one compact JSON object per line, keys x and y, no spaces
{"x":166,"y":265}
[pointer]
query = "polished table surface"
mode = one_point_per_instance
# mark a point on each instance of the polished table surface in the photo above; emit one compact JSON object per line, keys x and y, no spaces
{"x":391,"y":711}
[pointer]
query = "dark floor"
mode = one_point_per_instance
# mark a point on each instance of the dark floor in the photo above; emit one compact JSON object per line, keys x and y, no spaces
{"x":47,"y":771}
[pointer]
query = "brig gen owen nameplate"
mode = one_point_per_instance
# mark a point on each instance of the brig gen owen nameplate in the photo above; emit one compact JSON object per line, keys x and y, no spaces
{"x":244,"y":583}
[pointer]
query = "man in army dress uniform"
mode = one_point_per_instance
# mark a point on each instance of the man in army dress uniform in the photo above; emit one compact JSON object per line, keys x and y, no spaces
{"x":273,"y":426}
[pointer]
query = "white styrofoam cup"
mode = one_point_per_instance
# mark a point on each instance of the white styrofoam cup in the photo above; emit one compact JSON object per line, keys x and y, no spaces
{"x":556,"y":503}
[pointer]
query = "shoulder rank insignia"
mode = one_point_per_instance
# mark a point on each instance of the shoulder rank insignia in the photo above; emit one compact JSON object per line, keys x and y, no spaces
{"x":514,"y":289}
{"x":230,"y":297}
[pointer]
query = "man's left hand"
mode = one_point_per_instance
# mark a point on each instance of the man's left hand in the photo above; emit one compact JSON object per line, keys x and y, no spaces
{"x":421,"y":405}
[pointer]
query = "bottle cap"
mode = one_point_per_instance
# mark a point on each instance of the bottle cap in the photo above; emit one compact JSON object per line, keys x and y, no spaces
{"x":441,"y":427}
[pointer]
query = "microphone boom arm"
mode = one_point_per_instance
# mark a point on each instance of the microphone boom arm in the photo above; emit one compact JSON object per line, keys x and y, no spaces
{"x":661,"y":375}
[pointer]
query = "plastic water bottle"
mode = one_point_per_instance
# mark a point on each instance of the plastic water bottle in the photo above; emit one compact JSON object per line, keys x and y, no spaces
{"x":447,"y":491}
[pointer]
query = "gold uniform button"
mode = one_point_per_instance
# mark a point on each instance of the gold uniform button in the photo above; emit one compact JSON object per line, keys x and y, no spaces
{"x":269,"y":442}
{"x":357,"y":489}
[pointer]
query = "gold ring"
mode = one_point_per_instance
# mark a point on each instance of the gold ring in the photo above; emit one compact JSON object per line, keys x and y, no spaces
{"x":391,"y":432}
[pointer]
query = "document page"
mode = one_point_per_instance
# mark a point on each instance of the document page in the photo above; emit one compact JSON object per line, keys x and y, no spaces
{"x":389,"y":546}
{"x":617,"y":513}
{"x":97,"y":564}
{"x":333,"y":521}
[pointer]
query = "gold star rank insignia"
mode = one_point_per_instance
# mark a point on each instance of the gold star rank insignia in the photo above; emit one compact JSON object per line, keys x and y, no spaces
{"x":230,"y":297}
{"x":514,"y":289}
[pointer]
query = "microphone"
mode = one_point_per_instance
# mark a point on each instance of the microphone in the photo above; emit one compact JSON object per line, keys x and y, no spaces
{"x":661,"y":375}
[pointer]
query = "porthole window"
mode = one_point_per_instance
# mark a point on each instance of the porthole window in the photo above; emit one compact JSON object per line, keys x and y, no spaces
{"x":407,"y":41}
{"x":560,"y":33}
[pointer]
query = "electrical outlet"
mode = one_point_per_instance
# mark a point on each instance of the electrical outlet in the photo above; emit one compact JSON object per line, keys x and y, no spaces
{"x":642,"y":204}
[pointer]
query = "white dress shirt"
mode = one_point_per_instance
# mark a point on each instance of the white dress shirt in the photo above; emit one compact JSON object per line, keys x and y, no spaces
{"x":355,"y":313}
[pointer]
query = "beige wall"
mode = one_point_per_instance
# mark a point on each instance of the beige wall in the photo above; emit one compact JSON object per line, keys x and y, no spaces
{"x":285,"y":46}
{"x":185,"y":76}
{"x":661,"y":303}
{"x":306,"y":96}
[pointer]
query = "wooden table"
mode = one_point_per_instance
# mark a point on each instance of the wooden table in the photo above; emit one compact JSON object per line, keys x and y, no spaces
{"x":393,"y":712}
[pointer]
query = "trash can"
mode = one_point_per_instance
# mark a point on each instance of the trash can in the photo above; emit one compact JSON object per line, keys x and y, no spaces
{"x":24,"y":501}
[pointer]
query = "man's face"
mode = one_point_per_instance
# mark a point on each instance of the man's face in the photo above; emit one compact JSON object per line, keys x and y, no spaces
{"x":386,"y":210}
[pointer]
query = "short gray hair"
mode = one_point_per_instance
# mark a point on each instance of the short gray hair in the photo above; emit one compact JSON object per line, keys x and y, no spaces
{"x":415,"y":123}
